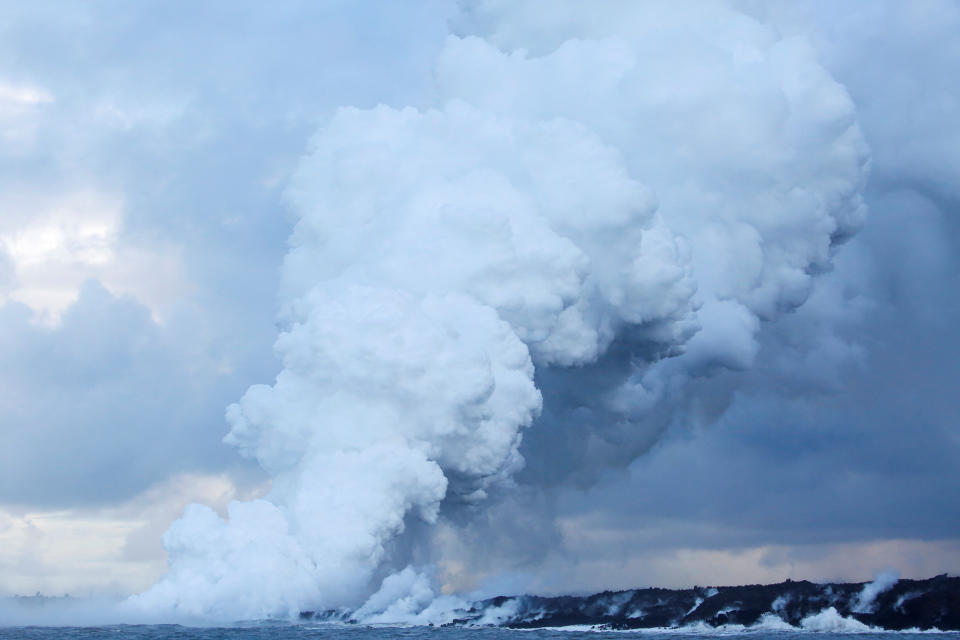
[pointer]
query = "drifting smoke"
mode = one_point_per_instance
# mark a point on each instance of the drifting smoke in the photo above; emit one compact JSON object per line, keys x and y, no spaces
{"x":598,"y":209}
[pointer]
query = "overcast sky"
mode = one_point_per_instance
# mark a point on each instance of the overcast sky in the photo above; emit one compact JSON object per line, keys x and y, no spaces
{"x":147,"y":153}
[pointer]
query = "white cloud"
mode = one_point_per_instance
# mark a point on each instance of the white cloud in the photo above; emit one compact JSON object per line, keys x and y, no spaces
{"x":55,"y":244}
{"x":20,"y":114}
{"x":13,"y":96}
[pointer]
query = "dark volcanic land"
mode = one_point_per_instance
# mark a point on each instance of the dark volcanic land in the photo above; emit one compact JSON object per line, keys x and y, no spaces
{"x":933,"y":603}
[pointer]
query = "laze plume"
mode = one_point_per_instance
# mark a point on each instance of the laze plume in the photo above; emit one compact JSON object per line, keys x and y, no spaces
{"x":598,"y":209}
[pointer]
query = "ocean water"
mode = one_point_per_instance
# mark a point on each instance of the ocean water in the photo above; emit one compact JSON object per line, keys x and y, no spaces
{"x":359,"y":632}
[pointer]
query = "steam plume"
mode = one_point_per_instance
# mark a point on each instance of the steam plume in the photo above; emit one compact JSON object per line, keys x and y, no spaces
{"x":599,"y":208}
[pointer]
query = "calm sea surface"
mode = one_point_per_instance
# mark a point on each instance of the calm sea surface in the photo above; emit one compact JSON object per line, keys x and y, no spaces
{"x":298,"y":632}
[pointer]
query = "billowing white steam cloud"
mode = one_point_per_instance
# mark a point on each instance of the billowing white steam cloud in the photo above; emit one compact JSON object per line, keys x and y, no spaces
{"x":602,"y":202}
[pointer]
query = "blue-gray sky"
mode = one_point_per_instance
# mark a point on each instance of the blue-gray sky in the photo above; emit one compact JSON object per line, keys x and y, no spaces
{"x":146,"y":150}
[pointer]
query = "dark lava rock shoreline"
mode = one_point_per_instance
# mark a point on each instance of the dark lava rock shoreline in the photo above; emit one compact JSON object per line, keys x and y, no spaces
{"x":933,"y":603}
{"x":920,"y":604}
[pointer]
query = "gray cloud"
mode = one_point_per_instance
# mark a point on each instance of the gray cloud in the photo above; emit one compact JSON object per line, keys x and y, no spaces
{"x":830,"y":421}
{"x":191,"y":120}
{"x":105,"y":404}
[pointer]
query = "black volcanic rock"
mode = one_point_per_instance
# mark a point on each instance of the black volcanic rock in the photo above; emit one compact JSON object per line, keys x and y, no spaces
{"x":933,"y":603}
{"x":925,"y":604}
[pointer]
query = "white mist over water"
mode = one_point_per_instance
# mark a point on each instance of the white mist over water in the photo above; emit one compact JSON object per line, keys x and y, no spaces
{"x":602,"y":204}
